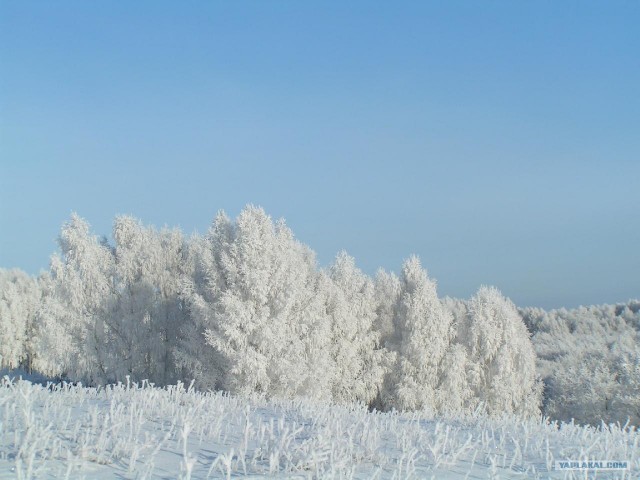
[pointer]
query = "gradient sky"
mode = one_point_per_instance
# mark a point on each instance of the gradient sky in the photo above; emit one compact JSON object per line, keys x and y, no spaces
{"x":500,"y":141}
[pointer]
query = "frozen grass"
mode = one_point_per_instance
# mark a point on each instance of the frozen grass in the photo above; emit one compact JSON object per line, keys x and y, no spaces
{"x":137,"y":431}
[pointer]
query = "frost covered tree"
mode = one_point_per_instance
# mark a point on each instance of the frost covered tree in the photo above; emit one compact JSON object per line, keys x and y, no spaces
{"x":424,"y":335}
{"x":628,"y":392}
{"x":386,"y":291}
{"x":53,"y":345}
{"x":79,"y":293}
{"x":201,"y":292}
{"x":458,"y":309}
{"x":360,"y":361}
{"x":458,"y":370}
{"x":454,"y":394}
{"x":596,"y":385}
{"x":586,"y":357}
{"x":501,"y":353}
{"x":146,"y":312}
{"x":113,"y":311}
{"x":19,"y":302}
{"x":261,"y":310}
{"x":587,"y":390}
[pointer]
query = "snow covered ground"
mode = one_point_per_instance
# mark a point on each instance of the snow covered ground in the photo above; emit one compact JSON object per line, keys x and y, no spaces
{"x":136,"y":432}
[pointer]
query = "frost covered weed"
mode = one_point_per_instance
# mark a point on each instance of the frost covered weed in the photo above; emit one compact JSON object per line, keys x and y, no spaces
{"x":138,"y":431}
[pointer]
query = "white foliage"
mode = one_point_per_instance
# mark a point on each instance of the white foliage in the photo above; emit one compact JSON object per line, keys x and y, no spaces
{"x":19,"y":301}
{"x":499,"y":345}
{"x":628,"y":389}
{"x":262,"y":311}
{"x":53,"y":343}
{"x":111,"y":312}
{"x":424,"y":330}
{"x":360,"y":361}
{"x":454,"y":394}
{"x":194,"y":354}
{"x":387,"y":291}
{"x":147,"y":312}
{"x":246,"y":309}
{"x":587,"y":357}
{"x":80,"y":294}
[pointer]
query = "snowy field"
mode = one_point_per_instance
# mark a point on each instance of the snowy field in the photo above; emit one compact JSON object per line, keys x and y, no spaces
{"x":136,"y":432}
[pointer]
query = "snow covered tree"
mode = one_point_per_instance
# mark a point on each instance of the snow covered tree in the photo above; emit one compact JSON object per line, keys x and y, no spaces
{"x":500,"y":348}
{"x":146,"y":312}
{"x":112,"y":311}
{"x":261,"y":310}
{"x":597,"y":385}
{"x":586,"y":390}
{"x":53,"y":345}
{"x":360,"y":361}
{"x":387,"y":291}
{"x":78,"y":295}
{"x":201,"y":292}
{"x":628,"y":375}
{"x":586,"y":357}
{"x":424,"y":330}
{"x":19,"y":302}
{"x":454,"y":394}
{"x":458,"y":309}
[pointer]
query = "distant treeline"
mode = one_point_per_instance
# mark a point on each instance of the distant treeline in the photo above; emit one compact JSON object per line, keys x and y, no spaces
{"x":589,"y":359}
{"x":246,"y":309}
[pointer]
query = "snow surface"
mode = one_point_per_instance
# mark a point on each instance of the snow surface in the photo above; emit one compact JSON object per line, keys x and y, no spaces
{"x":137,"y":431}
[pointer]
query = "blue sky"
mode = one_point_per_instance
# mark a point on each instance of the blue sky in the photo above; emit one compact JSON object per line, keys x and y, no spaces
{"x":500,"y":141}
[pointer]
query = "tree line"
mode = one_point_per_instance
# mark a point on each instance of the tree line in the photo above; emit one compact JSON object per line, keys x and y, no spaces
{"x":589,"y":360}
{"x":246,"y":309}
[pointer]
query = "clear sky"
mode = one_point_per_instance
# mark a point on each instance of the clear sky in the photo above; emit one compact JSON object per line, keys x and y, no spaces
{"x":500,"y":141}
